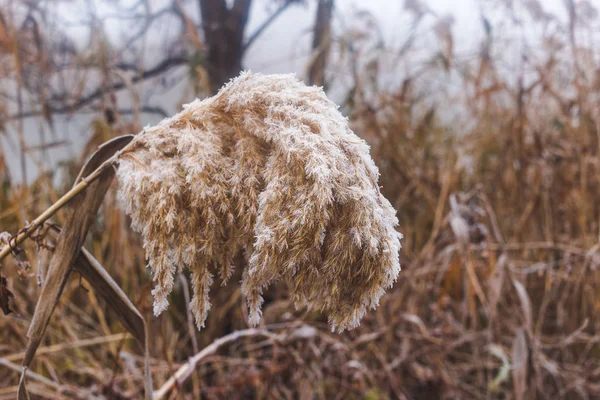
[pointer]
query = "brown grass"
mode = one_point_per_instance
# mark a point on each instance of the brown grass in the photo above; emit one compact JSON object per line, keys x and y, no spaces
{"x":498,"y":297}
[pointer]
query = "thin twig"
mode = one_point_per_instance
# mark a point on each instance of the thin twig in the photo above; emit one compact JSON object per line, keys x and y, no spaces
{"x":266,"y":24}
{"x":186,"y":370}
{"x":190,"y":317}
{"x":162,"y":67}
{"x":73,"y":345}
{"x":30,"y":374}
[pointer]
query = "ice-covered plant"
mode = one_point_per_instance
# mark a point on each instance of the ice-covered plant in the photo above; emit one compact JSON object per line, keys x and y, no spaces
{"x":268,"y":167}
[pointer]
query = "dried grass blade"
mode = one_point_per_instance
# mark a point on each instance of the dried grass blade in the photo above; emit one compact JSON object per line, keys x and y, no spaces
{"x":525,"y":303}
{"x":84,"y":208}
{"x":186,"y":369}
{"x":520,"y":357}
{"x":104,"y":152}
{"x":504,"y":372}
{"x":113,"y":295}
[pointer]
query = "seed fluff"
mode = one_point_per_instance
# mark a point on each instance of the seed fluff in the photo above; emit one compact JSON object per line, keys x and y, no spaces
{"x":267,"y":167}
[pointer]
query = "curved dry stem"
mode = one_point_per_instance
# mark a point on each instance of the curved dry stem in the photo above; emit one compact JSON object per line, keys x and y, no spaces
{"x":60,"y":203}
{"x":186,"y":369}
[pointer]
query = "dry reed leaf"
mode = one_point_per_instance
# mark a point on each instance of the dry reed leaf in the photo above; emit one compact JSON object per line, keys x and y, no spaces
{"x":103,"y":153}
{"x":267,"y":167}
{"x":107,"y":289}
{"x":504,"y":372}
{"x":525,"y":303}
{"x":84,"y":208}
{"x":5,"y":295}
{"x":495,"y":283}
{"x":113,"y":295}
{"x":520,"y":364}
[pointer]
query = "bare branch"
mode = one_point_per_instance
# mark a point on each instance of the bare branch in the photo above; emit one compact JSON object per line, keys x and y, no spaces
{"x":266,"y":24}
{"x":99,"y":92}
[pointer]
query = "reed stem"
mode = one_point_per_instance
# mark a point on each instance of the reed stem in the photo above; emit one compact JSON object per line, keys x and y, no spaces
{"x":43,"y":217}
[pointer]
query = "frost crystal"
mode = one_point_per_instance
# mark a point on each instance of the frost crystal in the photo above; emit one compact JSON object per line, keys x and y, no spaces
{"x":270,"y":168}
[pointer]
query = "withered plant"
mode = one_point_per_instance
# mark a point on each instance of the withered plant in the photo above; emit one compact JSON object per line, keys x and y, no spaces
{"x":267,"y":167}
{"x":490,"y":154}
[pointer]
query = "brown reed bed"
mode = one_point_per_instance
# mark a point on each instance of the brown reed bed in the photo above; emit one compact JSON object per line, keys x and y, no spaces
{"x":498,"y":297}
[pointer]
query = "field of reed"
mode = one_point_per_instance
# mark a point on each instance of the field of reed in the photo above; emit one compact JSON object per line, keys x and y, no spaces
{"x":491,"y":161}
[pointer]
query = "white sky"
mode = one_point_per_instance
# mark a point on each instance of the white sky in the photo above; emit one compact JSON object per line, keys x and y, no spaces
{"x":289,"y":37}
{"x":284,"y":47}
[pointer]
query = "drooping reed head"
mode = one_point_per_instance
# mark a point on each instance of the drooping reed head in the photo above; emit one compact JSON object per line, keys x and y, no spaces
{"x":270,"y":168}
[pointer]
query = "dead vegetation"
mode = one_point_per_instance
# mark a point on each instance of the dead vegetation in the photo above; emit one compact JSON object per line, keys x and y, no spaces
{"x":498,"y":296}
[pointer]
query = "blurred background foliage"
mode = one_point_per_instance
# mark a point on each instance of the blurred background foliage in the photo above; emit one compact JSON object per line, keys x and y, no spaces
{"x":489,"y":151}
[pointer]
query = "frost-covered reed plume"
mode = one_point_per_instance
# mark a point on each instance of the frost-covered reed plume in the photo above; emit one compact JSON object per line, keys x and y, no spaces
{"x":269,"y":167}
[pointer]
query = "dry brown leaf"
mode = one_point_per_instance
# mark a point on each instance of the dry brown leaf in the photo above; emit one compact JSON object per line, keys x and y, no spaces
{"x":5,"y":295}
{"x":520,"y":356}
{"x":496,"y":283}
{"x":503,"y":373}
{"x":104,"y":152}
{"x":113,"y":295}
{"x":84,"y":208}
{"x":525,"y":303}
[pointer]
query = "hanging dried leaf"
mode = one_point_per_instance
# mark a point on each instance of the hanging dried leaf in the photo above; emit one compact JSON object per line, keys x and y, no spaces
{"x":108,"y":290}
{"x":84,"y":208}
{"x":504,"y":372}
{"x":525,"y":303}
{"x":113,"y":295}
{"x":5,"y":295}
{"x":520,"y":356}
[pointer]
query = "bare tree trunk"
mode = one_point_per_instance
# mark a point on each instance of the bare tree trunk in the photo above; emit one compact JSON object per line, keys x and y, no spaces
{"x":224,"y":36}
{"x":321,"y":42}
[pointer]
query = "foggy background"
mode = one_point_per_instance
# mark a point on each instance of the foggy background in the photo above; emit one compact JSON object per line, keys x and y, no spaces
{"x":283,"y":47}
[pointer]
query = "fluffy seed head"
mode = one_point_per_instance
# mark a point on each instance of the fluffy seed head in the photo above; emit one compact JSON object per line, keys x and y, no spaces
{"x":270,"y":168}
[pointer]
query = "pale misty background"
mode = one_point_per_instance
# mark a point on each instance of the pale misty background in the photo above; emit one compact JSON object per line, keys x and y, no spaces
{"x":284,"y":47}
